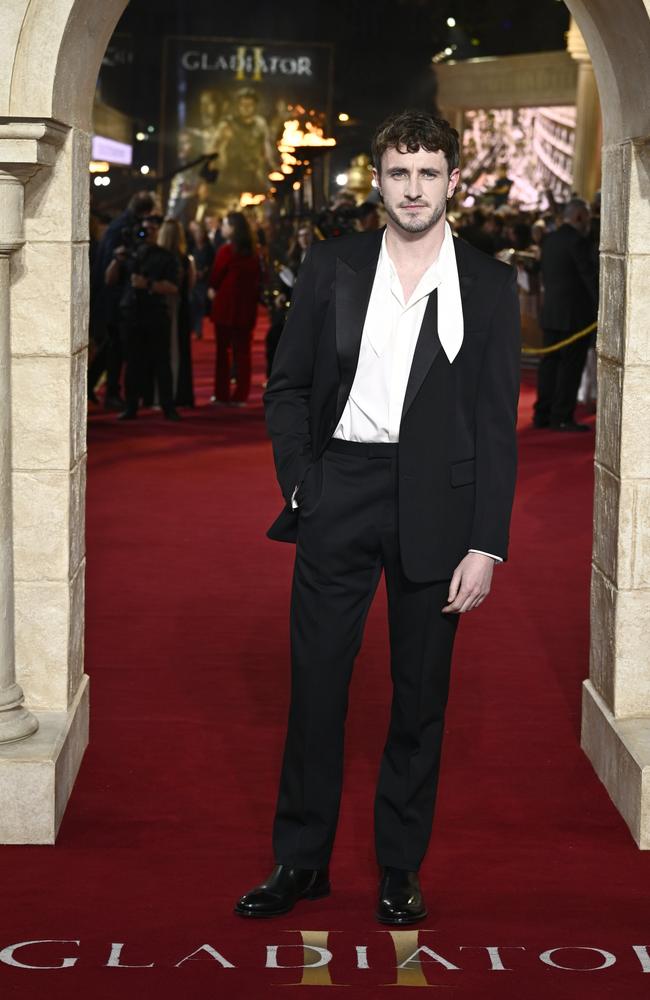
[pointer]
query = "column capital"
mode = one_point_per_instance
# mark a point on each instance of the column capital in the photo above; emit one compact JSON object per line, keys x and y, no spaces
{"x":25,"y":147}
{"x":576,"y":45}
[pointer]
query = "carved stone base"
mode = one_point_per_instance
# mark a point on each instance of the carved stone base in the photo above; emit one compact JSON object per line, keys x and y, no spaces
{"x":16,"y":724}
{"x":619,"y":750}
{"x":37,"y":776}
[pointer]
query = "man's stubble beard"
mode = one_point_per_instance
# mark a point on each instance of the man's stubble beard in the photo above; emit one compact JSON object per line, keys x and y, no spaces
{"x":418,"y":225}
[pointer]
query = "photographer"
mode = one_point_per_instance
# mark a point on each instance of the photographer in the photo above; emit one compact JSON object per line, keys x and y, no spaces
{"x":105,"y":303}
{"x":152,"y":274}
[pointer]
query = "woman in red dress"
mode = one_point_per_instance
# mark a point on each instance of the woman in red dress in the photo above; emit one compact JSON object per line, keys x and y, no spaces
{"x":235,"y":289}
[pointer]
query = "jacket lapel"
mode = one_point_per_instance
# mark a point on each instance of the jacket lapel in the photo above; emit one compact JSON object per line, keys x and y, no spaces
{"x":426,"y":349}
{"x":354,"y":279}
{"x":428,"y":344}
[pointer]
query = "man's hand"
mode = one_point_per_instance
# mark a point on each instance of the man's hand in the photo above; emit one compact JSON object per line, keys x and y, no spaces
{"x":470,"y":583}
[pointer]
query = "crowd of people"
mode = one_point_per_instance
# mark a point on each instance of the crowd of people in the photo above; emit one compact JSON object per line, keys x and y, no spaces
{"x":556,"y":255}
{"x":154,"y":283}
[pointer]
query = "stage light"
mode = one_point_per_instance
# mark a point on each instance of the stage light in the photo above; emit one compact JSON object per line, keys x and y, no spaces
{"x":275,"y":175}
{"x":150,"y":128}
{"x":341,"y":179}
{"x":99,"y":166}
{"x":448,"y":51}
{"x":106,"y":181}
{"x":296,"y":185}
{"x":144,"y":169}
{"x":451,"y":22}
{"x":140,"y":136}
{"x":343,"y":117}
{"x":98,"y":181}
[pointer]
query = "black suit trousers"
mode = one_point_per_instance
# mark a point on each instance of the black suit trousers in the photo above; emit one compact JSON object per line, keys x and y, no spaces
{"x":348,"y":534}
{"x":558,"y":379}
{"x":148,"y":348}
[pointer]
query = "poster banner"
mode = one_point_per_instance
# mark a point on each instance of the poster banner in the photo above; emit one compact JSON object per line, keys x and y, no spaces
{"x":231,"y":98}
{"x":115,"y":80}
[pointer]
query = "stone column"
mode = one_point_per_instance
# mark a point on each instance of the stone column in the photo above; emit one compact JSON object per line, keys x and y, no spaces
{"x":616,"y":698}
{"x":16,"y":723}
{"x":588,"y":135}
{"x":44,"y":221}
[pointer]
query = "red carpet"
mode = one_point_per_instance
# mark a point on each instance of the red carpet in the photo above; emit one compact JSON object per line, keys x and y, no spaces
{"x":170,"y":819}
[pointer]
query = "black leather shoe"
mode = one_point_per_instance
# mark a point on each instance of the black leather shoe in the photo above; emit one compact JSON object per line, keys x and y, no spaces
{"x":400,"y":898}
{"x":570,"y":425}
{"x":114,"y":403}
{"x":282,"y":890}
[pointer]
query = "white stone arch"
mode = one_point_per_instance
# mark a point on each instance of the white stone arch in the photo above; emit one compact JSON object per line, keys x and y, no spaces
{"x":616,"y":697}
{"x":50,"y":53}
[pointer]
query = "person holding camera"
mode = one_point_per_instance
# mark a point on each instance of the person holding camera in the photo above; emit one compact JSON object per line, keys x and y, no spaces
{"x":105,"y":330}
{"x":153,"y":275}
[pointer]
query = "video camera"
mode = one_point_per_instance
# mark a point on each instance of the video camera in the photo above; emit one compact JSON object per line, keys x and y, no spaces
{"x":134,"y":237}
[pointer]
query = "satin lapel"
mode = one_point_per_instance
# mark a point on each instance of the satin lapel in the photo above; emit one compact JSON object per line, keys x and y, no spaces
{"x":428,"y":343}
{"x":426,"y":350}
{"x":353,"y":288}
{"x":466,"y":278}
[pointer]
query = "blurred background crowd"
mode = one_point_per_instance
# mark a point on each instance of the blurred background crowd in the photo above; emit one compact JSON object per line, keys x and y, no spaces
{"x":157,"y":284}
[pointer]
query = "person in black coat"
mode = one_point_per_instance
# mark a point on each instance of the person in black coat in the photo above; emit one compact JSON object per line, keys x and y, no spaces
{"x":392,"y":409}
{"x":569,"y":270}
{"x":105,"y":320}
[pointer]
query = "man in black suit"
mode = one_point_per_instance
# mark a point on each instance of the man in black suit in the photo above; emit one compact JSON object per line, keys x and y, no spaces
{"x":392,"y":409}
{"x":570,"y":278}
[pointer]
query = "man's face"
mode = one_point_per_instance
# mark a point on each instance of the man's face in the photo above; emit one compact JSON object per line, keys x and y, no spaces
{"x":584,"y":221}
{"x":184,"y":145}
{"x":246,"y":108}
{"x":151,"y":228}
{"x":208,"y":108}
{"x":415,"y":188}
{"x":305,"y":238}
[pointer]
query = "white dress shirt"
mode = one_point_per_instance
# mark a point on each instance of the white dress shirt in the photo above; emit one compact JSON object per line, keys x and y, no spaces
{"x":373,"y":411}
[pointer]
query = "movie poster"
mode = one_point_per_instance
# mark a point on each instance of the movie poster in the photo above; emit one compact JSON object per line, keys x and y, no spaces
{"x":230,"y":98}
{"x":115,"y":80}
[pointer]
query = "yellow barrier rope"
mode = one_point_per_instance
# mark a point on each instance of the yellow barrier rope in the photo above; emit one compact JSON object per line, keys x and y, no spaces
{"x":562,"y":343}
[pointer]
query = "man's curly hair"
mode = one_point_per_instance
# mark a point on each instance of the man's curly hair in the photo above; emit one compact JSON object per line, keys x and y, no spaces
{"x":411,"y":130}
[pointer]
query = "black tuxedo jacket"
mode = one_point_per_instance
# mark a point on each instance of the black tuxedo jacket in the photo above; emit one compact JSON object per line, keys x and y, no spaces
{"x":570,"y":277}
{"x":457,"y":442}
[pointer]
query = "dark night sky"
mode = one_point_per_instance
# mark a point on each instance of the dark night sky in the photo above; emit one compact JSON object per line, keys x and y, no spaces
{"x":382,"y":49}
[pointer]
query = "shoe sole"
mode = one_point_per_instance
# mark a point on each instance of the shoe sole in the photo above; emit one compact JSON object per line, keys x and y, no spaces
{"x":257,"y":915}
{"x":401,"y":920}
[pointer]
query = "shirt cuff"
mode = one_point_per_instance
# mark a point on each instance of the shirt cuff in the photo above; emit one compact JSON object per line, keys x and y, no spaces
{"x":294,"y":502}
{"x":490,"y":554}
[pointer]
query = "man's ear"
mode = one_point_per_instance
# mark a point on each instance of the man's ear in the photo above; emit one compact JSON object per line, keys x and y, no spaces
{"x":376,"y":179}
{"x":452,"y":184}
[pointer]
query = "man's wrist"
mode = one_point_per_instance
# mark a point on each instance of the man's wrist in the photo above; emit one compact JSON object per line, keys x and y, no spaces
{"x":490,"y":555}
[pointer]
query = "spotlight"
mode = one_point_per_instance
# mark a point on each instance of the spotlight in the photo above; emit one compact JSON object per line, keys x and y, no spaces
{"x":140,"y":136}
{"x":341,"y":179}
{"x":296,"y":185}
{"x":448,"y":51}
{"x":343,"y":117}
{"x":451,"y":22}
{"x":144,"y":169}
{"x":98,"y":181}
